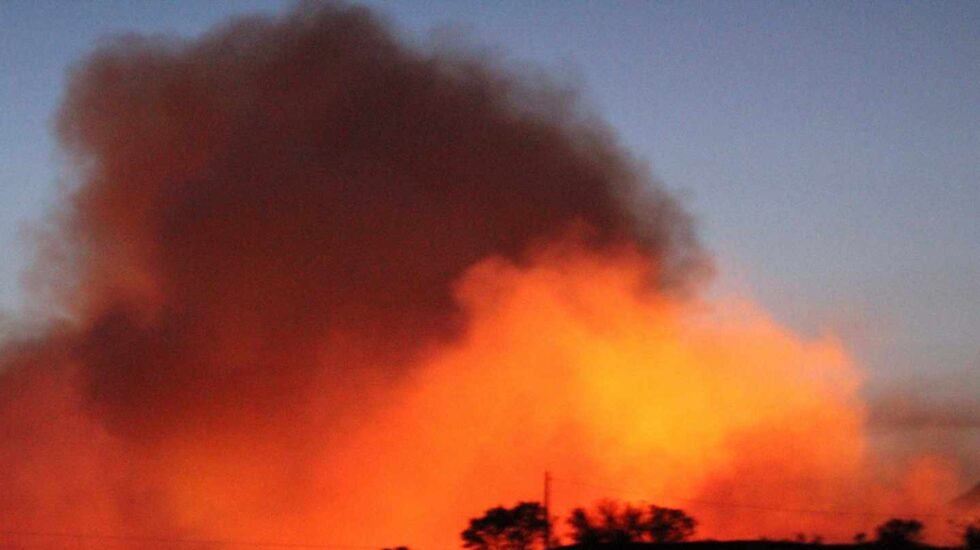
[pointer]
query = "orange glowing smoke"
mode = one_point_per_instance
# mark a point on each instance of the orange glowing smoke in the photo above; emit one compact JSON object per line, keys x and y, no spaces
{"x":572,"y":364}
{"x":569,"y":363}
{"x":315,"y":286}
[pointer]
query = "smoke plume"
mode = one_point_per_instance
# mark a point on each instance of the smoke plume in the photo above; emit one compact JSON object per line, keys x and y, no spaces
{"x":314,"y":285}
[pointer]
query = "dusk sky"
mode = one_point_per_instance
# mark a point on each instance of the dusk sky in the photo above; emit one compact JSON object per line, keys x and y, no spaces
{"x":269,"y":288}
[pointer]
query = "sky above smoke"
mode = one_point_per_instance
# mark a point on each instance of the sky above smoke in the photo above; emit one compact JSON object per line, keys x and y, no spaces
{"x":302,"y":265}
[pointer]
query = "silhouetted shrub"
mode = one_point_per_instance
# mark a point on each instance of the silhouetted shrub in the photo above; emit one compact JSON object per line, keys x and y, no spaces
{"x":900,"y":532}
{"x":669,"y":525}
{"x":610,"y":523}
{"x":522,"y":527}
{"x":971,"y":536}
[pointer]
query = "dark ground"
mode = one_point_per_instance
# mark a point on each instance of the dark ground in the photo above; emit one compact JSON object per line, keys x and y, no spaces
{"x":742,"y":545}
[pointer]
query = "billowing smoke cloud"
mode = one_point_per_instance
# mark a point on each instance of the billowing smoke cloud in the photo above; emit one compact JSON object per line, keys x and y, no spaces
{"x":287,"y":199}
{"x":318,"y":286}
{"x":269,"y":222}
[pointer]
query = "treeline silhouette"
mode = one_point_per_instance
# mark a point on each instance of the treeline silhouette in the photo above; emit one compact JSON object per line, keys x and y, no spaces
{"x":618,"y":525}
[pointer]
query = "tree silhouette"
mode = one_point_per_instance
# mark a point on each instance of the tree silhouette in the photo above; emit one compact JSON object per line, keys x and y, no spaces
{"x":971,"y":536}
{"x":615,"y":524}
{"x":900,"y":532}
{"x":522,"y":527}
{"x":584,"y":530}
{"x":669,"y":525}
{"x":608,"y":523}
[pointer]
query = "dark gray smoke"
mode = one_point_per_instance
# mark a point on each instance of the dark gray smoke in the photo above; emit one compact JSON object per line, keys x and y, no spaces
{"x":283,"y":183}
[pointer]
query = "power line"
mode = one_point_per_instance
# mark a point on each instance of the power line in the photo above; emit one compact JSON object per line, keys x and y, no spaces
{"x":749,"y":506}
{"x":547,"y":510}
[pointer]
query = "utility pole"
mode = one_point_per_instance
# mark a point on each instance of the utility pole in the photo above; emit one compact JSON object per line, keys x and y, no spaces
{"x":547,"y":510}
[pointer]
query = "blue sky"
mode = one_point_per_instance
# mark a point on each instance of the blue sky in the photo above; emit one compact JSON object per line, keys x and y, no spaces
{"x":830,"y":150}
